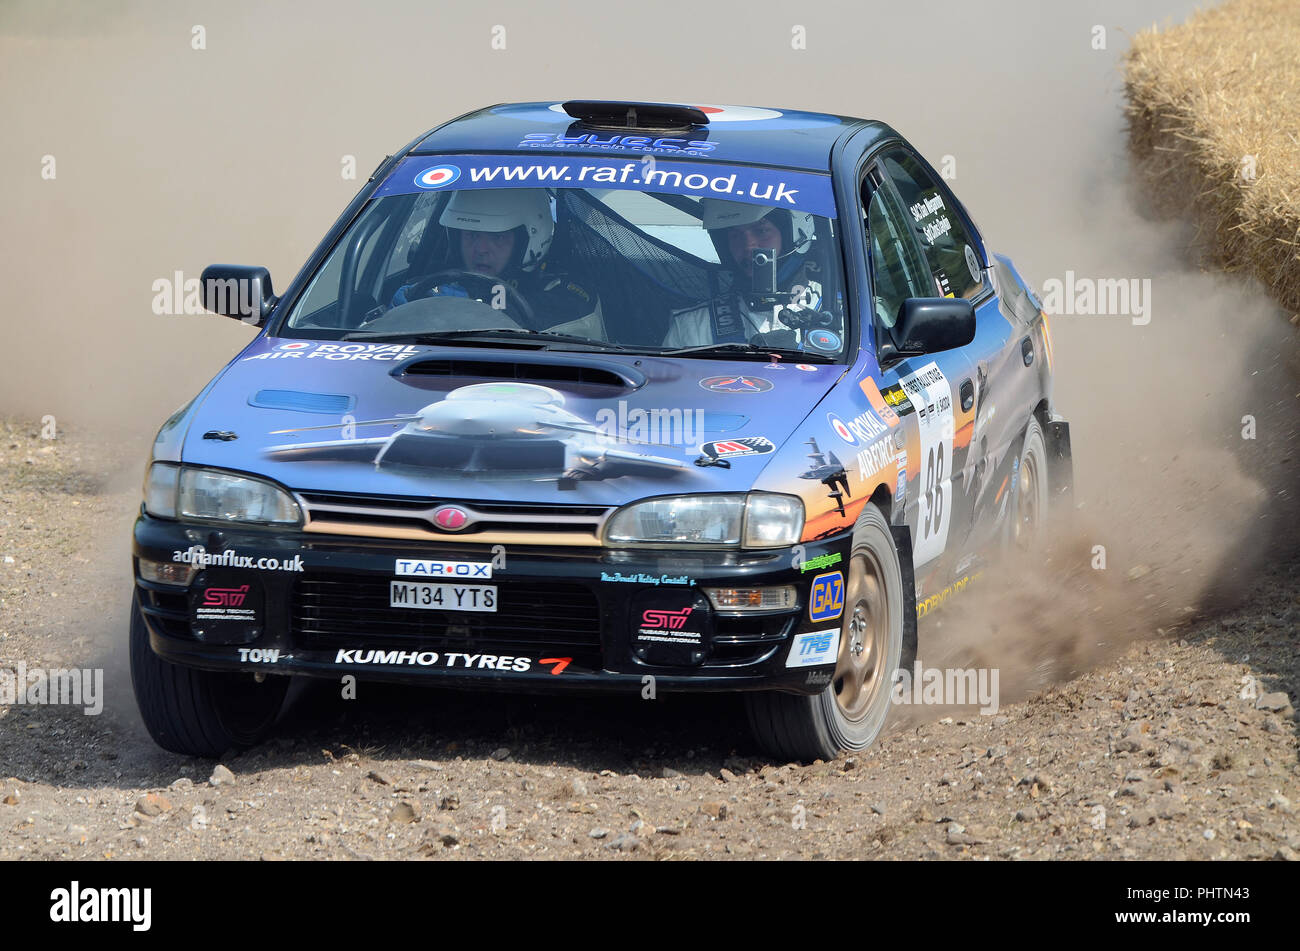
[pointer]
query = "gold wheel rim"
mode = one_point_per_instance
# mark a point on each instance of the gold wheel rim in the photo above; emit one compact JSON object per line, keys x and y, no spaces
{"x":859,"y":668}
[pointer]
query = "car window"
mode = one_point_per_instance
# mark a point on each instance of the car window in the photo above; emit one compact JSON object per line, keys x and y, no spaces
{"x":897,"y":269}
{"x":954,"y":262}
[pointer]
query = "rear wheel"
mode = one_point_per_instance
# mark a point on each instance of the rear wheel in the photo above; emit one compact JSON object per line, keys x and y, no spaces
{"x":199,"y":712}
{"x":851,"y":711}
{"x":1029,"y":503}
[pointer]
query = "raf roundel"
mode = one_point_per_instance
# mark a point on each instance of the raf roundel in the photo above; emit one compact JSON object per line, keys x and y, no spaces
{"x":841,"y":430}
{"x":440,"y":176}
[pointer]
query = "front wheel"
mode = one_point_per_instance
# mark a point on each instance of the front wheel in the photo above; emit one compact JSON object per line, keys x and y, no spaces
{"x":850,"y":713}
{"x":199,"y":712}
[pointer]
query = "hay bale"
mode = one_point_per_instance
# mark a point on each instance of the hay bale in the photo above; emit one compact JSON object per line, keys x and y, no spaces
{"x":1214,"y":129}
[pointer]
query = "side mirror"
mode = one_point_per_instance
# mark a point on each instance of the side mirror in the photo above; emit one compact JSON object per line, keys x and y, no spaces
{"x":238,"y":291}
{"x":932,"y":324}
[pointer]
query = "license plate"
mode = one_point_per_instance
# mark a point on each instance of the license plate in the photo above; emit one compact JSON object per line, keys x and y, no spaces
{"x":443,"y":597}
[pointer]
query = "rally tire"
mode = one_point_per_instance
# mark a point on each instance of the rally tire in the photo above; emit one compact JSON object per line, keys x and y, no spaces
{"x":850,"y":713}
{"x":199,"y":712}
{"x":1028,"y":529}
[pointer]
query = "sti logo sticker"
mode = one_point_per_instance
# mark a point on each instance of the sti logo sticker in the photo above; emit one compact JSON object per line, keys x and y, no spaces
{"x":814,"y":648}
{"x":665,"y":620}
{"x":227,"y":597}
{"x":827,"y":600}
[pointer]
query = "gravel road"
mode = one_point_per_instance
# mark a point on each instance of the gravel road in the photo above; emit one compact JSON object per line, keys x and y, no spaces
{"x":1115,"y":739}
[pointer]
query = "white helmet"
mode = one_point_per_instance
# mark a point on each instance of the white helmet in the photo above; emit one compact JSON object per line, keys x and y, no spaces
{"x":798,"y":228}
{"x":505,"y":209}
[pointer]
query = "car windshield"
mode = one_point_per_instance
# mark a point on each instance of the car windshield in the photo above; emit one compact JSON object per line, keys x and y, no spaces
{"x":591,"y":253}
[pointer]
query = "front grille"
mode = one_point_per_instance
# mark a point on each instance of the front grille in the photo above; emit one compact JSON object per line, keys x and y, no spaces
{"x":490,"y":522}
{"x":534,"y":619}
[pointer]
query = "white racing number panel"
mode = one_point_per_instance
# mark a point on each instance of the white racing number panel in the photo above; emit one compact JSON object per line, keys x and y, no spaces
{"x":442,"y":597}
{"x":930,"y":395}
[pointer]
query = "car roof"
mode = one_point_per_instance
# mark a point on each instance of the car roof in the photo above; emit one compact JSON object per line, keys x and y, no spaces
{"x":744,"y":134}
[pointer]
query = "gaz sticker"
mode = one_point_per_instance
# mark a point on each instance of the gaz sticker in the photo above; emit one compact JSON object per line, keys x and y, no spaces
{"x":826,"y":602}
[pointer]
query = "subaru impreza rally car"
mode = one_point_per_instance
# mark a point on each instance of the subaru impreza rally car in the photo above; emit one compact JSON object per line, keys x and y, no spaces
{"x":605,"y":396}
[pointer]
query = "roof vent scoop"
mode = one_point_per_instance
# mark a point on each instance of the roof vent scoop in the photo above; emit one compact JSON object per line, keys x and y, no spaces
{"x":638,"y":116}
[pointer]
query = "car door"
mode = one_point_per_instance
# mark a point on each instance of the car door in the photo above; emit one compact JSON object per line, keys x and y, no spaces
{"x":924,"y":391}
{"x":1003,"y":393}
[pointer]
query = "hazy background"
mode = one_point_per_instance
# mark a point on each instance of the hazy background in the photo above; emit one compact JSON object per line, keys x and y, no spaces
{"x":170,"y":158}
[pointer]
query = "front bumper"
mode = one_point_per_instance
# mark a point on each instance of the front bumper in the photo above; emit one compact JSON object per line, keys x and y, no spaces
{"x":290,"y":602}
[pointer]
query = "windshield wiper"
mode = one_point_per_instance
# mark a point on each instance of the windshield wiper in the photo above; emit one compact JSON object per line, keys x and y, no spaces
{"x":749,"y":349}
{"x":438,"y":336}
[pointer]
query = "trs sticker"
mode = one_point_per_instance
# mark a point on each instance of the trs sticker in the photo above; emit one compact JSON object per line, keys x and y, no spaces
{"x":443,"y":569}
{"x":826,"y":601}
{"x":814,"y":648}
{"x":736,"y":384}
{"x":930,"y":395}
{"x":440,"y":176}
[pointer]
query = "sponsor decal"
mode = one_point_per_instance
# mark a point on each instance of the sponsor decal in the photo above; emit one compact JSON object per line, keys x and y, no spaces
{"x":826,"y":598}
{"x":930,"y":394}
{"x":383,"y":352}
{"x":609,"y":142}
{"x":814,"y":648}
{"x":821,"y":561}
{"x":642,"y":578}
{"x":439,"y":176}
{"x":864,"y":427}
{"x":875,"y":458}
{"x":972,"y":263}
{"x":198,"y":556}
{"x":557,"y":664}
{"x":127,"y":905}
{"x":818,"y":678}
{"x":781,"y":188}
{"x":882,"y":409}
{"x":736,"y":384}
{"x":935,"y":601}
{"x":453,"y":659}
{"x":225,"y":604}
{"x":806,"y":367}
{"x":824,"y":339}
{"x":745,"y":446}
{"x":901,"y":492}
{"x":658,"y":624}
{"x":259,"y":655}
{"x":443,"y":569}
{"x":40,"y":686}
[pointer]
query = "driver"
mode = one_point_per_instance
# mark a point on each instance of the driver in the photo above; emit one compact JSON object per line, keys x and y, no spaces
{"x":737,"y":230}
{"x":505,"y":233}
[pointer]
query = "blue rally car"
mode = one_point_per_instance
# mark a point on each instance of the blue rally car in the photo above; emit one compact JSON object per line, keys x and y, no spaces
{"x":607,"y":396}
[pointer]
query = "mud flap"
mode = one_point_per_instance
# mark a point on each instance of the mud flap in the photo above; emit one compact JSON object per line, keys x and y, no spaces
{"x":903,"y":543}
{"x":1060,"y":467}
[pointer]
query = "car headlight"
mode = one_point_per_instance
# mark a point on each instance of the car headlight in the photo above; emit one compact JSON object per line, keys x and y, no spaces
{"x":755,"y":520}
{"x":216,"y":495}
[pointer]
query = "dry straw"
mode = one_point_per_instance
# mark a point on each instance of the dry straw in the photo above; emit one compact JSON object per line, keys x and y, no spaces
{"x":1214,"y":125}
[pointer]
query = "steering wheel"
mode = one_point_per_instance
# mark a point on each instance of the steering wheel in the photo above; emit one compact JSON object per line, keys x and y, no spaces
{"x":515,"y":300}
